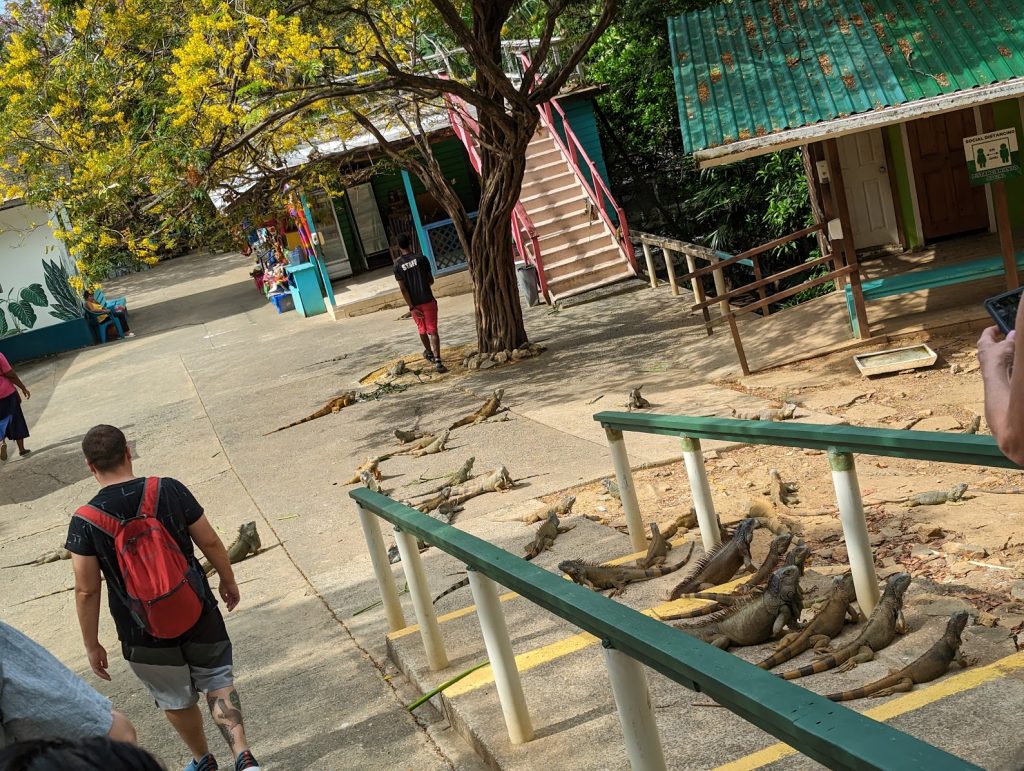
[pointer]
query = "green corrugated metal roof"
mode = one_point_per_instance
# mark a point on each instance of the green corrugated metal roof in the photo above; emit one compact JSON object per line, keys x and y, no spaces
{"x":751,"y":68}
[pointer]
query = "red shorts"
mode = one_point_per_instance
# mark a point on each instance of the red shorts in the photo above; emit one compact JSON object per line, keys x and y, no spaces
{"x":425,"y":317}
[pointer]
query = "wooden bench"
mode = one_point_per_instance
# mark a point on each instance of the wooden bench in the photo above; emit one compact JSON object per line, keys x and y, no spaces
{"x":927,"y":278}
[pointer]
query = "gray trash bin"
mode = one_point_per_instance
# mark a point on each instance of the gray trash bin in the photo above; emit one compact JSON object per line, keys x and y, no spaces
{"x":526,"y":276}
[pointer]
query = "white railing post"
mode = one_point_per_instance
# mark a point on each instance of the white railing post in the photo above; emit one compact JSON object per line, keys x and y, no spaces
{"x":855,"y":528}
{"x":650,"y":265}
{"x":419,"y":590}
{"x":700,"y":489}
{"x":633,"y":700}
{"x":382,"y":569}
{"x":503,"y":660}
{"x":627,"y":493}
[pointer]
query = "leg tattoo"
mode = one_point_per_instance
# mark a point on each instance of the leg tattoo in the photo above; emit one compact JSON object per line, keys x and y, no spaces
{"x":227,"y":716}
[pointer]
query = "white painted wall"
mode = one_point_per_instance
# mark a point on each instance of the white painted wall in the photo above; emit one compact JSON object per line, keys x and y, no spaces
{"x":26,"y":240}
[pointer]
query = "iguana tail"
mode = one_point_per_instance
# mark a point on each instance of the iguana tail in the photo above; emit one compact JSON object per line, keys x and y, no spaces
{"x":783,"y":655}
{"x":821,"y":665}
{"x":871,"y":688}
{"x":19,"y":565}
{"x":704,"y":610}
{"x":318,"y":414}
{"x":463,"y":422}
{"x":666,"y":569}
{"x":450,"y":589}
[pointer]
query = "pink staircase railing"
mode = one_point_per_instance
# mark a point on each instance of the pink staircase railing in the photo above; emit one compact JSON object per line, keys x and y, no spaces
{"x":524,"y":233}
{"x":598,"y":192}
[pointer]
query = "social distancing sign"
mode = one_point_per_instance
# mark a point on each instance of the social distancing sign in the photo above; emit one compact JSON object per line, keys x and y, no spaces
{"x":992,"y":156}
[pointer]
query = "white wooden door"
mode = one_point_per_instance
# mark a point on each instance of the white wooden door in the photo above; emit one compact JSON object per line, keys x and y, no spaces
{"x":866,"y":178}
{"x":367,"y":217}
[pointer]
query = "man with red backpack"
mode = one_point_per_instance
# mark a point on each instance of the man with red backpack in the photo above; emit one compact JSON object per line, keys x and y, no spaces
{"x":139,"y":534}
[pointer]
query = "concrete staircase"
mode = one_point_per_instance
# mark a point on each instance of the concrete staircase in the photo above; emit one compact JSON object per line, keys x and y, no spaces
{"x":578,"y":250}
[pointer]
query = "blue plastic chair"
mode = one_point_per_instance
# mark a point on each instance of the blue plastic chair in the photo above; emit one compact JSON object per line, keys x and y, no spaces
{"x":102,"y":326}
{"x":101,"y":299}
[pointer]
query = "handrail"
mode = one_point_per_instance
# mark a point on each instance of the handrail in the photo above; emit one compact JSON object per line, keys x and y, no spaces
{"x":829,"y":733}
{"x":972,"y":449}
{"x":572,"y":153}
{"x":465,"y":127}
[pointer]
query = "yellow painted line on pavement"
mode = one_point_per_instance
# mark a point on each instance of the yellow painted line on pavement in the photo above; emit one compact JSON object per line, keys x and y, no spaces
{"x":958,"y":683}
{"x":509,"y":595}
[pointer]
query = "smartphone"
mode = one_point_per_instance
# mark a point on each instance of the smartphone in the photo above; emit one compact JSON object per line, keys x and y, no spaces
{"x":1003,"y":308}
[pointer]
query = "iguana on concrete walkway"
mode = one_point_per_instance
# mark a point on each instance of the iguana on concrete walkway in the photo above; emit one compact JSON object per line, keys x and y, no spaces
{"x":496,"y":481}
{"x":756,"y":620}
{"x":614,"y":577}
{"x":930,"y":665}
{"x":636,"y":400}
{"x":489,"y":409}
{"x":415,"y":445}
{"x":334,"y":405}
{"x":785,"y":412}
{"x":371,"y":466}
{"x":247,"y":542}
{"x":930,"y":498}
{"x":560,"y":509}
{"x":657,"y":550}
{"x":457,"y":477}
{"x":776,"y":554}
{"x":54,"y":555}
{"x":885,"y":621}
{"x":546,"y":535}
{"x":721,"y":563}
{"x":822,"y":628}
{"x":433,"y":448}
{"x":404,"y":437}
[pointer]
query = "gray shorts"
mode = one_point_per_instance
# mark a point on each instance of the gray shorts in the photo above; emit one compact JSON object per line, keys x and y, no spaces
{"x":198,"y":663}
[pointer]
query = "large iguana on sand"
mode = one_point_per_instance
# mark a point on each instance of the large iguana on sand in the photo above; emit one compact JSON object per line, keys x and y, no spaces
{"x":760,"y":618}
{"x":371,"y":466}
{"x":822,"y":628}
{"x":54,"y":555}
{"x":334,"y":405}
{"x":721,"y":563}
{"x":883,"y":624}
{"x":450,"y":498}
{"x":931,"y":498}
{"x":415,"y":445}
{"x":560,"y":509}
{"x":247,"y":542}
{"x":489,"y":409}
{"x":614,"y":577}
{"x":931,"y":665}
{"x":404,"y":437}
{"x":546,"y":535}
{"x":457,"y":477}
{"x":434,"y":447}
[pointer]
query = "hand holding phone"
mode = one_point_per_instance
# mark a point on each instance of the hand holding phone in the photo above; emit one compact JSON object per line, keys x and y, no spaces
{"x":1003,"y":309}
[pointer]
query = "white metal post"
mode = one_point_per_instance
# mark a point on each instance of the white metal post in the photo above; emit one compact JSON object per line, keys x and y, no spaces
{"x":670,"y":266}
{"x":419,"y":590}
{"x":650,"y":265}
{"x":633,"y":700}
{"x":700,"y":489}
{"x":855,"y":528}
{"x":627,"y":493}
{"x":503,"y":660}
{"x":382,"y":569}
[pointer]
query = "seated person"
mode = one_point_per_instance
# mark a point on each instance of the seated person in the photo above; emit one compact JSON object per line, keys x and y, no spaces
{"x":103,"y":312}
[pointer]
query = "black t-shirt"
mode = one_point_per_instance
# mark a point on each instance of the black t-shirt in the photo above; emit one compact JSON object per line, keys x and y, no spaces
{"x":176,"y":510}
{"x":413,"y":270}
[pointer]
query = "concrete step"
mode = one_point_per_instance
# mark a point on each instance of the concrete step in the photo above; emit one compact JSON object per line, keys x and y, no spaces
{"x":559,"y":210}
{"x":576,"y":216}
{"x":551,"y":165}
{"x":606,"y":264}
{"x":611,"y":273}
{"x":556,"y":191}
{"x":553,"y":183}
{"x":574,"y":241}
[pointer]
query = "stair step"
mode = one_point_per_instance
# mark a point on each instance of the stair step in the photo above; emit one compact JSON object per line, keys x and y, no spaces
{"x":562,"y":222}
{"x":570,"y":264}
{"x":548,"y":213}
{"x":585,"y":284}
{"x":580,"y":237}
{"x":588,"y":275}
{"x":543,"y":170}
{"x":566,"y":185}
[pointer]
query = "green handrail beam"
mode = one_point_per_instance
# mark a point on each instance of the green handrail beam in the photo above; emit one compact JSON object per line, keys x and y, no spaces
{"x":827,"y":732}
{"x":973,"y":449}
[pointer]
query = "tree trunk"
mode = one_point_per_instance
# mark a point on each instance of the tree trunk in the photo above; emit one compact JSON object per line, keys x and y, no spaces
{"x":499,"y":314}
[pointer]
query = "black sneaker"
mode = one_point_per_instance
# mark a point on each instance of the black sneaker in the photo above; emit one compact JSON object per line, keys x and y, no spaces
{"x":246,"y":762}
{"x":439,"y":367}
{"x":428,"y":356}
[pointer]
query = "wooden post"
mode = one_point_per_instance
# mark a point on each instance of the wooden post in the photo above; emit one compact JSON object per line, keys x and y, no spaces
{"x":1002,"y":213}
{"x":835,"y":174}
{"x":819,"y":204}
{"x":698,"y":292}
{"x":671,"y":268}
{"x":738,"y":343}
{"x":757,"y":277}
{"x":720,"y":289}
{"x":650,"y":265}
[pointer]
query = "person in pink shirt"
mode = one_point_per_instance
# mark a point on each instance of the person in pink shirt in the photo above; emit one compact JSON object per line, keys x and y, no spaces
{"x":10,"y":409}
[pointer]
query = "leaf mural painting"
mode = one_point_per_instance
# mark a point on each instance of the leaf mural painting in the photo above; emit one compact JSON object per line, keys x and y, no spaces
{"x":65,"y":306}
{"x":22,"y":308}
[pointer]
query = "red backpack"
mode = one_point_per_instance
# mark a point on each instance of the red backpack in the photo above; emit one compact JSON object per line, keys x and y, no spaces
{"x":162,"y":588}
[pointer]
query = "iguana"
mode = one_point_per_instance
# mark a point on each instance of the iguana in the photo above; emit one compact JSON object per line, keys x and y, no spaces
{"x":546,"y":535}
{"x":785,"y":412}
{"x":396,"y":370}
{"x":54,"y":555}
{"x":756,"y":620}
{"x":683,"y":521}
{"x":721,"y":563}
{"x":885,"y":621}
{"x":560,"y":509}
{"x":636,"y":400}
{"x":776,"y":554}
{"x":931,"y":498}
{"x":433,"y":448}
{"x":974,"y":425}
{"x":371,"y":466}
{"x":489,"y":409}
{"x":404,"y":437}
{"x":822,"y":628}
{"x":498,"y":480}
{"x":415,"y":445}
{"x":930,"y":665}
{"x":247,"y":542}
{"x":457,"y":477}
{"x":657,"y":550}
{"x":782,"y":493}
{"x":334,"y":405}
{"x":612,"y":487}
{"x":614,"y":577}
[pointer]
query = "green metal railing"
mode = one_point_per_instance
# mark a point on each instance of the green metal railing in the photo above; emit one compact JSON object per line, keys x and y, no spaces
{"x":829,"y":733}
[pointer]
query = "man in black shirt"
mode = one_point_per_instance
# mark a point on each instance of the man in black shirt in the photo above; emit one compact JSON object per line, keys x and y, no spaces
{"x":173,"y":670}
{"x":414,"y":276}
